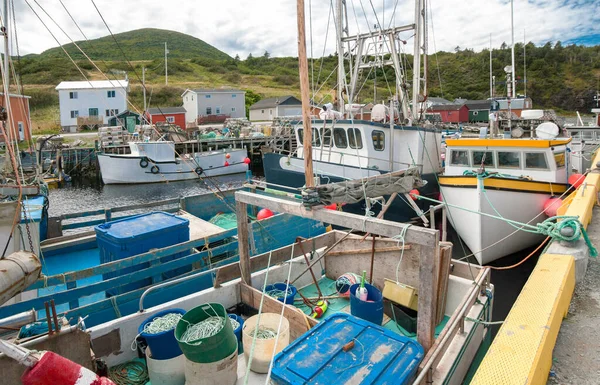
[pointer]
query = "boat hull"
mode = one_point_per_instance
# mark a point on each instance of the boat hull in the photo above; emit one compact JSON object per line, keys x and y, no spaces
{"x":284,"y":171}
{"x":126,"y":169}
{"x":518,"y":200}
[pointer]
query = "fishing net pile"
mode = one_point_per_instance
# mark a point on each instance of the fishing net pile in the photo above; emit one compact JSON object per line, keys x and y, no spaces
{"x":354,"y":191}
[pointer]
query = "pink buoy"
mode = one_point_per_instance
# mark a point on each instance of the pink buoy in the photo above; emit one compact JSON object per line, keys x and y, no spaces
{"x":247,"y":160}
{"x":226,"y":164}
{"x":227,"y":156}
{"x":576,"y":180}
{"x":264,"y":214}
{"x":551,"y":206}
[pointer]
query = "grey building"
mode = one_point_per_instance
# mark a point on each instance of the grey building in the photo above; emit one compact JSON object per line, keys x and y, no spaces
{"x":213,"y":105}
{"x":268,"y":109}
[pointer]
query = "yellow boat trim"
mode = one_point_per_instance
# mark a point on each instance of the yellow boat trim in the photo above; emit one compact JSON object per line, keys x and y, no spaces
{"x":523,"y":143}
{"x":504,"y":184}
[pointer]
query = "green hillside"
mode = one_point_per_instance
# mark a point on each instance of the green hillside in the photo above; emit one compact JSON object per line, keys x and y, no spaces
{"x":141,"y":44}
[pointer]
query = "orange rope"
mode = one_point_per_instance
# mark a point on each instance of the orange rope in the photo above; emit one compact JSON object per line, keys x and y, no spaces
{"x":523,"y":260}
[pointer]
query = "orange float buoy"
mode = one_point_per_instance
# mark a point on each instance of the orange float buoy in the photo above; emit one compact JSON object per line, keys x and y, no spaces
{"x":227,"y":156}
{"x":264,"y":214}
{"x":247,"y":160}
{"x":414,"y":193}
{"x":551,"y":206}
{"x":332,"y":206}
{"x":576,"y":180}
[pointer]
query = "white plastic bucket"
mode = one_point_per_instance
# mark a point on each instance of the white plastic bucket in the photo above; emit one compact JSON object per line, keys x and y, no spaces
{"x":166,"y":372}
{"x":265,"y":349}
{"x":222,"y":372}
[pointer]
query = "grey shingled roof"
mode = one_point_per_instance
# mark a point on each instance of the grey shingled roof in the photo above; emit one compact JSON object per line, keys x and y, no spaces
{"x":478,"y":104}
{"x":445,"y":107}
{"x":273,"y":102}
{"x":206,"y":90}
{"x":166,"y":110}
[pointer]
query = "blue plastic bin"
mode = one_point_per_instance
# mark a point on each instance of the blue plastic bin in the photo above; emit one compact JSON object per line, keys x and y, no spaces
{"x":138,"y":234}
{"x":317,"y":357}
{"x":369,"y":311}
{"x":289,"y":299}
{"x":162,"y":345}
{"x":238,"y":331}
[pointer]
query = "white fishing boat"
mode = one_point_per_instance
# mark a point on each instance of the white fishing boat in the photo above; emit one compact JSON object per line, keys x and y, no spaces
{"x":507,"y":178}
{"x":154,"y":162}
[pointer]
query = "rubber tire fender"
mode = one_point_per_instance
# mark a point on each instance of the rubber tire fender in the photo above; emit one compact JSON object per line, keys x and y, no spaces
{"x":144,"y":162}
{"x":155,"y":169}
{"x":199,"y":170}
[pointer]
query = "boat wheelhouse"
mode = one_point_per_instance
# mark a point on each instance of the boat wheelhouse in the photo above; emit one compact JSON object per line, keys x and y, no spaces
{"x":585,"y":140}
{"x":506,"y":178}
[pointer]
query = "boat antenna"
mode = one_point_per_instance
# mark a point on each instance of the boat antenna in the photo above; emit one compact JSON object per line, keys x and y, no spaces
{"x":491,"y":71}
{"x":524,"y":64}
{"x":305,"y":95}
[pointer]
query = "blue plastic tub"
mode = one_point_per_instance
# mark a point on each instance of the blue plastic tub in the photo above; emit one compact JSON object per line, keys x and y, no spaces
{"x":162,"y":345}
{"x":317,"y":356}
{"x":238,"y":331}
{"x":289,"y":299}
{"x":369,"y":311}
{"x":138,"y":234}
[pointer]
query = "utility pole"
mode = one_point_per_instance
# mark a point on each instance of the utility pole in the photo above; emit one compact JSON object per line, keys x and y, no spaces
{"x":524,"y":64}
{"x":166,"y":66}
{"x":305,"y":92}
{"x":144,"y":87}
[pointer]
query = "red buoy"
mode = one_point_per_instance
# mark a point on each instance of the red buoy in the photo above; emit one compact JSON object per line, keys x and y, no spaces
{"x":227,"y":156}
{"x":53,"y":369}
{"x":264,"y":214}
{"x":332,"y":206}
{"x":247,"y":160}
{"x":226,"y":163}
{"x":576,"y":180}
{"x":551,"y":206}
{"x":414,"y":193}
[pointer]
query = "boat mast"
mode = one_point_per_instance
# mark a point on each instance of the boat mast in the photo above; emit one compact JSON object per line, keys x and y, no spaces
{"x":417,"y":60}
{"x":340,"y":49}
{"x":305,"y":96}
{"x":491,"y":71}
{"x":524,"y":65}
{"x":512,"y":49}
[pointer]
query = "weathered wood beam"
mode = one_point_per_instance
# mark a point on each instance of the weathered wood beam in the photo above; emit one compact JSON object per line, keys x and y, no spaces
{"x":241,"y":210}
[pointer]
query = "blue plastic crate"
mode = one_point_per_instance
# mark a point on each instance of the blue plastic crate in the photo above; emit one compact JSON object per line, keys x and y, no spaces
{"x":379,"y":356}
{"x":136,"y":235}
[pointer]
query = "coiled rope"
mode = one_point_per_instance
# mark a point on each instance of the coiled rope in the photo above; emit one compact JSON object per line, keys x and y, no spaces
{"x":162,"y":324}
{"x":129,"y":373}
{"x":234,"y":323}
{"x":204,"y":329}
{"x":263,"y":333}
{"x":276,"y":293}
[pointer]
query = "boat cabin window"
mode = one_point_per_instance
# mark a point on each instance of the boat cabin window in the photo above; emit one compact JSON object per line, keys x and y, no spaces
{"x":575,"y":134}
{"x":536,"y":160}
{"x":486,"y":157}
{"x":509,"y":159}
{"x":587,"y":135}
{"x":316,"y":138}
{"x":339,"y":138}
{"x":559,"y":158}
{"x":354,"y":138}
{"x":378,"y":138}
{"x":459,"y":158}
{"x":326,"y":137}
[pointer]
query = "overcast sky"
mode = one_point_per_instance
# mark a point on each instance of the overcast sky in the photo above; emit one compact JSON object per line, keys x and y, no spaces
{"x":243,"y":26}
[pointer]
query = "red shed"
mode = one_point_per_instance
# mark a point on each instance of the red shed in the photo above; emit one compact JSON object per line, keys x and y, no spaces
{"x":451,"y":113}
{"x":21,"y":119}
{"x":172,"y":115}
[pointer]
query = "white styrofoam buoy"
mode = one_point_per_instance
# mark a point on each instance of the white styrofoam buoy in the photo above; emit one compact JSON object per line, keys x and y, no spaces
{"x":166,"y":372}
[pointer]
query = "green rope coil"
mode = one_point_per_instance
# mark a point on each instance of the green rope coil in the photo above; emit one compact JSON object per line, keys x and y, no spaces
{"x":263,"y":333}
{"x":554,"y":230}
{"x":129,"y":373}
{"x":276,"y":293}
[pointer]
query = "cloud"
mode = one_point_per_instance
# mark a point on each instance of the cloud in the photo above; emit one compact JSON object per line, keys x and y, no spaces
{"x":243,"y":27}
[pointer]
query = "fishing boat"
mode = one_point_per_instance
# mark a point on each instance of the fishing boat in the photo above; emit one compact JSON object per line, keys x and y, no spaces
{"x":155,"y":162}
{"x":395,"y":139}
{"x":585,"y":140}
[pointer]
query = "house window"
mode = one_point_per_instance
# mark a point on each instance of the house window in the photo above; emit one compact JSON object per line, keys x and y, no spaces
{"x":270,"y":112}
{"x":459,"y":158}
{"x":186,"y":98}
{"x":354,"y":138}
{"x":339,"y":138}
{"x":171,"y":119}
{"x":107,"y":112}
{"x":208,"y":110}
{"x":207,"y":96}
{"x":378,"y":138}
{"x":509,"y":159}
{"x":116,"y":112}
{"x":74,"y":114}
{"x":483,"y":156}
{"x":536,"y":160}
{"x":232,"y":109}
{"x":217,"y":110}
{"x":112,"y":112}
{"x":192,"y":98}
{"x":110,"y":94}
{"x":234,"y":96}
{"x":326,"y":137}
{"x":262,"y":111}
{"x":73,"y":95}
{"x":93,"y":112}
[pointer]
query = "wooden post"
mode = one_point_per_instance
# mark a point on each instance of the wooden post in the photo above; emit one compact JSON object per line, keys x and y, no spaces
{"x":241,"y":210}
{"x":305,"y":96}
{"x":444,"y":224}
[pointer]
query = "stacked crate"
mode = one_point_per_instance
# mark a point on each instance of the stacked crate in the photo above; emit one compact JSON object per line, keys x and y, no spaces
{"x":111,"y":136}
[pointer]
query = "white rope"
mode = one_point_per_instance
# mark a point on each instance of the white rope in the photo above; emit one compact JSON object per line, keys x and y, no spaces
{"x":287,"y":287}
{"x":400,"y":239}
